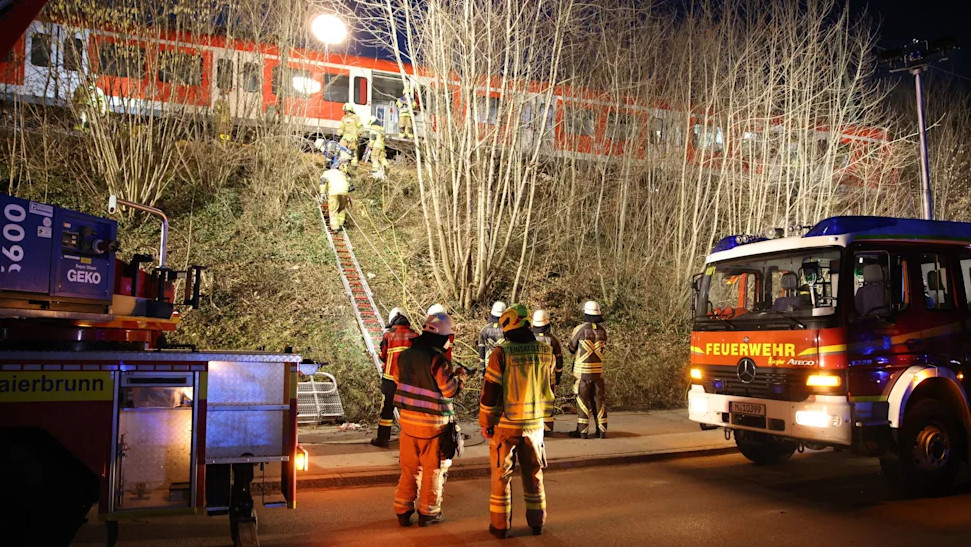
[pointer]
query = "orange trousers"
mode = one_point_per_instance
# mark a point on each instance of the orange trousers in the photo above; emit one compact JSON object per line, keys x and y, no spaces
{"x":505,"y":447}
{"x":419,"y":458}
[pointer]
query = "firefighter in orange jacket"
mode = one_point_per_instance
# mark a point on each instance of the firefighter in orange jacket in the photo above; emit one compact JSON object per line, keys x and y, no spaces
{"x":588,"y":342}
{"x":541,"y":330}
{"x":426,"y":385}
{"x":395,"y":340}
{"x":490,"y":335}
{"x":516,"y":399}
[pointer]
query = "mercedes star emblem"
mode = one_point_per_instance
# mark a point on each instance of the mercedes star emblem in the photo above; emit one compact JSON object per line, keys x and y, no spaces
{"x":746,"y":370}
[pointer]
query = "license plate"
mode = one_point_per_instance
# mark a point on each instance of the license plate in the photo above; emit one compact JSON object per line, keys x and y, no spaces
{"x":751,"y":409}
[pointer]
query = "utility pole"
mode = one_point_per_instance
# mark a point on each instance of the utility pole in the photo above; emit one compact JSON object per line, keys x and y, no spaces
{"x":914,"y":58}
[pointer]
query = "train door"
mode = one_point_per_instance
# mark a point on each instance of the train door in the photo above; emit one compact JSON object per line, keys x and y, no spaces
{"x":73,"y":62}
{"x":239,"y":81}
{"x":155,"y":418}
{"x":386,"y":88}
{"x":360,"y":95}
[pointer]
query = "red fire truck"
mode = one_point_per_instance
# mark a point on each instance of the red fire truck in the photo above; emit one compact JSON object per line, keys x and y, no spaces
{"x":95,"y":406}
{"x":854,"y":335}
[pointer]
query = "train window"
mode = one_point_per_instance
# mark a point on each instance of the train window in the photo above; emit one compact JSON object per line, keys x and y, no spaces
{"x":336,"y":88}
{"x":224,"y":74}
{"x":250,"y":77}
{"x":580,"y":121}
{"x":179,"y":68}
{"x":386,"y":89}
{"x":621,"y":126}
{"x":120,"y":60}
{"x":657,"y":130}
{"x":360,"y":90}
{"x":40,"y":49}
{"x":707,"y":138}
{"x":73,"y":58}
{"x":487,"y":110}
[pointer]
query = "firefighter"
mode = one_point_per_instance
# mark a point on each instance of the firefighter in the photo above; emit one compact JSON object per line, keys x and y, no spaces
{"x":542,"y":331}
{"x":587,"y":343}
{"x":395,"y":340}
{"x":436,"y":309}
{"x":378,"y":155}
{"x":222,"y":120}
{"x":89,"y":103}
{"x":406,"y":109}
{"x":426,"y":385}
{"x":490,"y":335}
{"x":350,"y":131}
{"x":334,"y":185}
{"x":516,"y":399}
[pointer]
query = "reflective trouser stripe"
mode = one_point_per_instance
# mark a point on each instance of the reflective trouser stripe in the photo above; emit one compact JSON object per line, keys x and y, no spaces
{"x":505,"y":447}
{"x":419,"y":458}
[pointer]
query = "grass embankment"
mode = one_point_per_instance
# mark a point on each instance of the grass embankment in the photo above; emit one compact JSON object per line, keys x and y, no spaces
{"x":271,"y":281}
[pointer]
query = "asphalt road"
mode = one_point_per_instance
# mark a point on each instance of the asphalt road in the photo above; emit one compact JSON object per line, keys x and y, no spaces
{"x":815,"y":499}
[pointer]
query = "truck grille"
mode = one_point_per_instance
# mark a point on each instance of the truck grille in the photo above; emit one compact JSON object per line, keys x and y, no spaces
{"x":781,"y":384}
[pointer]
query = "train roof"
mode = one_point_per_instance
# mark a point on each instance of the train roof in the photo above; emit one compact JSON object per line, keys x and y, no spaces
{"x":842,"y":230}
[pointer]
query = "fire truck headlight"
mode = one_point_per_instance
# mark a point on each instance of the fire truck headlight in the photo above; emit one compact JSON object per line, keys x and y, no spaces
{"x":817,"y":418}
{"x":822,"y":380}
{"x":695,"y":374}
{"x":301,"y":460}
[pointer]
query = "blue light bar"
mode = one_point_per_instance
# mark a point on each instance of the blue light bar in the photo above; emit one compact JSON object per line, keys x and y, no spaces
{"x":730,"y":242}
{"x":892,"y":228}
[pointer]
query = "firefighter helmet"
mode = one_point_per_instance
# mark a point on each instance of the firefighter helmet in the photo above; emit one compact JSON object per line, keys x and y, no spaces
{"x":395,"y":312}
{"x":440,"y":323}
{"x":498,"y":308}
{"x":591,"y":308}
{"x":541,"y":318}
{"x":515,"y":317}
{"x":436,"y":309}
{"x":373,"y":120}
{"x":348,"y":107}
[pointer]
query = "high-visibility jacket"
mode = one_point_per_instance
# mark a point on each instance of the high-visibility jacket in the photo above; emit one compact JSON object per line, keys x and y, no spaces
{"x":489,"y":337}
{"x":351,"y":126}
{"x":588,"y":342}
{"x":396,"y":340}
{"x":334,"y":183}
{"x":426,"y":386}
{"x":544,"y":335}
{"x":517,"y":393}
{"x":377,"y":137}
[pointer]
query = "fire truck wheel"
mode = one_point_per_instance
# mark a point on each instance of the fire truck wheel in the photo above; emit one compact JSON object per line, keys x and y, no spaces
{"x":762,"y":448}
{"x":929,"y":451}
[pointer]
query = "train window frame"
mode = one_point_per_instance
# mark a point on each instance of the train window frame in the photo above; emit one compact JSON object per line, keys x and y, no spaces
{"x":72,"y":58}
{"x":125,"y":69}
{"x":224,"y":76}
{"x":487,"y":110}
{"x":41,"y":56}
{"x":707,"y":138}
{"x":360,"y":90}
{"x":617,"y":130}
{"x":336,"y":87}
{"x":580,"y":121}
{"x":250,"y":77}
{"x":181,"y":73}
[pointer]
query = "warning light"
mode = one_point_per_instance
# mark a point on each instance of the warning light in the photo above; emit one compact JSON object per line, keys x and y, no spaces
{"x":696,"y":374}
{"x":301,"y":460}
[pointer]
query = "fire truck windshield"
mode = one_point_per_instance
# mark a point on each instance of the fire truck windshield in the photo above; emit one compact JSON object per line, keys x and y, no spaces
{"x":783,"y":290}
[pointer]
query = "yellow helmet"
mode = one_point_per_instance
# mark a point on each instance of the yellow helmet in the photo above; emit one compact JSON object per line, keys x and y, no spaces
{"x":515,"y":317}
{"x":348,"y":107}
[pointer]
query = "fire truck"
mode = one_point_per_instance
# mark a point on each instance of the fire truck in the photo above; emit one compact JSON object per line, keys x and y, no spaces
{"x":853,"y":336}
{"x":97,"y":407}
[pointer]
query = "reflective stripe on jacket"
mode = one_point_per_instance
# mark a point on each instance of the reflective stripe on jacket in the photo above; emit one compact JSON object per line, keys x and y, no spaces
{"x":523,"y":371}
{"x":396,"y":340}
{"x":588,"y":342}
{"x":426,"y":385}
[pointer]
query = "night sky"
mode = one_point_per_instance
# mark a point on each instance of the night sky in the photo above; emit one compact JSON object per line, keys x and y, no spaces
{"x":903,"y":20}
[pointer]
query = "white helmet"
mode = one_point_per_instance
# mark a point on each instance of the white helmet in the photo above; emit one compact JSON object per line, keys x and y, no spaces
{"x":541,"y":318}
{"x":348,"y":107}
{"x":436,"y":309}
{"x":498,"y":308}
{"x":591,"y":308}
{"x":319,"y":144}
{"x":440,"y":323}
{"x":395,"y":312}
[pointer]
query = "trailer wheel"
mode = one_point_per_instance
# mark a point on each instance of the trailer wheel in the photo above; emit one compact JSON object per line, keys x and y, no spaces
{"x":928,"y":451}
{"x":762,"y":448}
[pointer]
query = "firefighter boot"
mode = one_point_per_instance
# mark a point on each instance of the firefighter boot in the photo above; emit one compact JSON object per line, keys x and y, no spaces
{"x":428,"y":520}
{"x":498,"y":533}
{"x":383,"y":440}
{"x":404,"y":519}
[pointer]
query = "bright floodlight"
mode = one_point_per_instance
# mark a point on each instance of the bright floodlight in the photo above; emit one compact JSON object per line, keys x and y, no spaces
{"x":329,"y":29}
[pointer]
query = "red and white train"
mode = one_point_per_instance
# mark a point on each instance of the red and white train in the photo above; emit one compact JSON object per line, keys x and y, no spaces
{"x":187,"y":71}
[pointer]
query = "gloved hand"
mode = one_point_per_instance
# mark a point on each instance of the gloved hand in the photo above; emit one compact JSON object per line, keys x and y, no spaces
{"x":487,"y":432}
